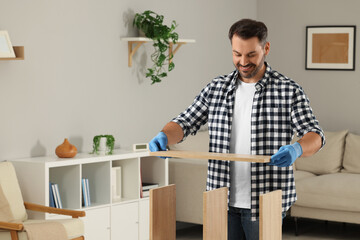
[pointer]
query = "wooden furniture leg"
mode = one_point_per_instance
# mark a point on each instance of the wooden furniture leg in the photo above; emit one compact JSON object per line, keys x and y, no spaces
{"x":14,"y":235}
{"x":215,"y":214}
{"x":270,"y":227}
{"x":163,"y":213}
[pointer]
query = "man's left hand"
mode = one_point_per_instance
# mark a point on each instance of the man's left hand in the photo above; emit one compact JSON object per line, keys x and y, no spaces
{"x":286,"y":155}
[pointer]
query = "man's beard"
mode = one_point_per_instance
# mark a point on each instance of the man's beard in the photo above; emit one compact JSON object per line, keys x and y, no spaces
{"x":255,"y":71}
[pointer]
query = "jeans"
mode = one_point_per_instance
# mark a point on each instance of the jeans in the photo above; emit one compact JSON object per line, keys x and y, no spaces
{"x":240,"y":226}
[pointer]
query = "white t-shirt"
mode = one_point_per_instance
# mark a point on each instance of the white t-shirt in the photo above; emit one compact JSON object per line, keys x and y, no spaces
{"x":240,"y":175}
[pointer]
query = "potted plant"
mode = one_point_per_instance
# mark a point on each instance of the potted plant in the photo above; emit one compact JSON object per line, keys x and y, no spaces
{"x":109,"y":145}
{"x":152,"y":25}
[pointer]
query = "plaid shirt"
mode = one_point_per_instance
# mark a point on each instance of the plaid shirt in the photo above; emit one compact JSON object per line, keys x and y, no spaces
{"x":280,"y":108}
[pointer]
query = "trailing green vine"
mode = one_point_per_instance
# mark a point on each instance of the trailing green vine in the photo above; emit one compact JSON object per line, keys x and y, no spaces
{"x":110,"y":142}
{"x":152,"y":25}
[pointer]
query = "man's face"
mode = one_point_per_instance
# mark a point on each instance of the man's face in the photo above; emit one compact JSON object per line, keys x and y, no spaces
{"x":249,"y":57}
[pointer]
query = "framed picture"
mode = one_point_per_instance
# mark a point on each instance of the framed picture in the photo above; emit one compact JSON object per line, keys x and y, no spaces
{"x":330,"y":47}
{"x":6,"y":49}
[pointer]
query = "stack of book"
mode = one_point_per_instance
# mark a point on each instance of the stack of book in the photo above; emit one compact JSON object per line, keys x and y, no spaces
{"x":146,"y":188}
{"x":54,"y":196}
{"x":85,"y":192}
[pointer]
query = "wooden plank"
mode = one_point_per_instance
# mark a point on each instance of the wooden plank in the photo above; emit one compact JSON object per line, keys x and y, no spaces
{"x":163,"y":213}
{"x":270,"y":216}
{"x":210,"y":155}
{"x":215,"y":214}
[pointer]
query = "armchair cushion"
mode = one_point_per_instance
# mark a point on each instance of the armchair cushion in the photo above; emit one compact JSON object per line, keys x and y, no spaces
{"x":74,"y":228}
{"x":12,"y":207}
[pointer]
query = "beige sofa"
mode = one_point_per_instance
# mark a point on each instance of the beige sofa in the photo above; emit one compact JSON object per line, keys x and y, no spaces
{"x":327,"y":183}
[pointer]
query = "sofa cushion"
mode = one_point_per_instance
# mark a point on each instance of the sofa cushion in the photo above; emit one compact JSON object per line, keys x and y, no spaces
{"x":336,"y":191}
{"x":328,"y":159}
{"x":299,"y":175}
{"x":351,"y":161}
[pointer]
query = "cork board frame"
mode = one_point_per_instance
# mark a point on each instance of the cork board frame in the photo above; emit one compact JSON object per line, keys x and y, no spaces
{"x":330,"y":47}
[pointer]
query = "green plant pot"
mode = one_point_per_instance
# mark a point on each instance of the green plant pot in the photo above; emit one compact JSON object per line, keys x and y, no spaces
{"x":103,"y":144}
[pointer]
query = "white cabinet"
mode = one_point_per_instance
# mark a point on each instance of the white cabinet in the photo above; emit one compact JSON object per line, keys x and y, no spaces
{"x":125,"y":221}
{"x":97,"y":223}
{"x":144,"y":219}
{"x":107,"y":217}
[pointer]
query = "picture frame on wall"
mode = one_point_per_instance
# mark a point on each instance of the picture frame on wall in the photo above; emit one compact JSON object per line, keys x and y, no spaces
{"x":330,"y":47}
{"x":6,"y":48}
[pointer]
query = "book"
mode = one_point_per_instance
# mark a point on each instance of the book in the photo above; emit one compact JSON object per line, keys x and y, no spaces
{"x":57,"y":193}
{"x":84,"y":193}
{"x":56,"y":201}
{"x":88,"y":191}
{"x":146,"y":193}
{"x":116,"y":183}
{"x":51,"y":196}
{"x":148,"y":186}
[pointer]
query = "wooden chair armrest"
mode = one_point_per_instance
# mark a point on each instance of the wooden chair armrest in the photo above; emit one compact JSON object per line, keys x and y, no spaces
{"x":41,"y":208}
{"x":11,"y":226}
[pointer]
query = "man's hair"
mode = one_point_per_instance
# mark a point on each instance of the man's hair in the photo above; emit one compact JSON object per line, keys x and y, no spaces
{"x":248,"y":28}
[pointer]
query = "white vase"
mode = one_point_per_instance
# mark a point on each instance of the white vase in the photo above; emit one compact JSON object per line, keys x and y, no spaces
{"x":102,"y":145}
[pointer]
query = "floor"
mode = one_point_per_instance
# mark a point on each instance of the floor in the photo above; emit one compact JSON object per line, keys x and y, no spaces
{"x":308,"y":230}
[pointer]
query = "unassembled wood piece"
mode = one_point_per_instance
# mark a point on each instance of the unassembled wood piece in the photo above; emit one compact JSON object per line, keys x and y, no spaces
{"x":163,"y":213}
{"x":210,"y":155}
{"x":270,"y":216}
{"x":215,"y":214}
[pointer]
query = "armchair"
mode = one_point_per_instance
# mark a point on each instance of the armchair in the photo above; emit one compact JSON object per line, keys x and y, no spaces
{"x":13,"y":216}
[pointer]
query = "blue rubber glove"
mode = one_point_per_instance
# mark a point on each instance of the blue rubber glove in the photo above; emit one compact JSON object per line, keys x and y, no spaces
{"x":286,"y":155}
{"x":158,"y":143}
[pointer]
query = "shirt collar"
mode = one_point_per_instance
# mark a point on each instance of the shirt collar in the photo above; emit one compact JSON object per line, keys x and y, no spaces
{"x":262,"y":82}
{"x":259,"y":85}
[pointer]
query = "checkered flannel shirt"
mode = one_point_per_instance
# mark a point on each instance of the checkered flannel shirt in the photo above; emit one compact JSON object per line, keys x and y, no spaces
{"x":280,"y":108}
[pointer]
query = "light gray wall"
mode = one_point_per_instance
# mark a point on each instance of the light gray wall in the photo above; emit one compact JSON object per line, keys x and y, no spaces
{"x":75,"y":82}
{"x":334,"y":95}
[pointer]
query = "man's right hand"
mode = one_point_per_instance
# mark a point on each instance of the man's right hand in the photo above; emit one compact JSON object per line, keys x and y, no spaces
{"x":159,"y":142}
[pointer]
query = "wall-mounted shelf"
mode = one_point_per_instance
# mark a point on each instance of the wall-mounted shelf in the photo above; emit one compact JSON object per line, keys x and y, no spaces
{"x":138,"y":41}
{"x":19,"y":53}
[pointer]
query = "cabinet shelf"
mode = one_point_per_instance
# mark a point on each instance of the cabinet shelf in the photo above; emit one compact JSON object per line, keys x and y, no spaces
{"x":138,"y":41}
{"x":19,"y":53}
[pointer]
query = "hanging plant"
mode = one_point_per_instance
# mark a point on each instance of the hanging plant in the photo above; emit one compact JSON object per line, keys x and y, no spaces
{"x":152,"y":25}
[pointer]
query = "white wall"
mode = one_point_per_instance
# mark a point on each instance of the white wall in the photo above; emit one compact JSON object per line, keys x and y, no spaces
{"x":334,"y":95}
{"x":75,"y":82}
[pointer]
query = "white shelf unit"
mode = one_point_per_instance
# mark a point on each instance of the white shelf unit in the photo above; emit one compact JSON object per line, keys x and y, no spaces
{"x":106,"y":218}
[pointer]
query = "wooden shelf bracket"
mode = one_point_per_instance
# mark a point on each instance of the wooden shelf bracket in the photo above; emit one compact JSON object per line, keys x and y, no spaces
{"x":135,"y":42}
{"x":131,"y":50}
{"x":171,"y":51}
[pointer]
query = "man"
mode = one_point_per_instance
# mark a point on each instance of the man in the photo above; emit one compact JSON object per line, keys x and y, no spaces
{"x":253,"y":110}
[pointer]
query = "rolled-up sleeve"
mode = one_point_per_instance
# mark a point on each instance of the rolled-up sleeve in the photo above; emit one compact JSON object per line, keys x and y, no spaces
{"x":195,"y":115}
{"x":302,"y":117}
